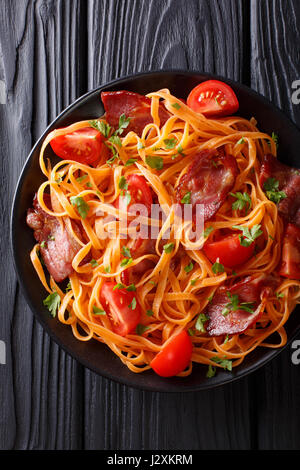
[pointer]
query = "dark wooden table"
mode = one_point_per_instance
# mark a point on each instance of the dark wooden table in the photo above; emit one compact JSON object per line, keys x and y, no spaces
{"x":51,"y":52}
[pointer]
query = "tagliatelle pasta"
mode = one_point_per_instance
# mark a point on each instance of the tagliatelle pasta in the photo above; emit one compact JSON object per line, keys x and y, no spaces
{"x":182,"y":282}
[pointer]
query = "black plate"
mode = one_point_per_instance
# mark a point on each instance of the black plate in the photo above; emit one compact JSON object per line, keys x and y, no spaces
{"x":92,"y":354}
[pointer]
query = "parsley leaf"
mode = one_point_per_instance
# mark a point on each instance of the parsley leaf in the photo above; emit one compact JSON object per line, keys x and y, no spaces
{"x":82,"y":206}
{"x":199,"y":325}
{"x":234,"y":305}
{"x":149,"y":313}
{"x":123,"y":183}
{"x":189,"y":267}
{"x":271,"y":187}
{"x":98,"y":311}
{"x":170,"y":143}
{"x":241,"y":141}
{"x":81,"y":178}
{"x":279,"y":295}
{"x":119,"y":286}
{"x":115,"y":139}
{"x":107,"y":269}
{"x":52,"y":302}
{"x":243,"y":201}
{"x":186,"y":198}
{"x":217,"y":268}
{"x":140,"y":329}
{"x":131,"y":288}
{"x":101,"y":127}
{"x":249,"y":235}
{"x":168,"y":248}
{"x":176,"y":105}
{"x":132,"y":305}
{"x":126,"y":262}
{"x":126,"y":252}
{"x":225,"y":363}
{"x":190,"y":332}
{"x":130,"y":161}
{"x":123,"y":123}
{"x":211,"y":372}
{"x":94,"y":263}
{"x":154,"y":162}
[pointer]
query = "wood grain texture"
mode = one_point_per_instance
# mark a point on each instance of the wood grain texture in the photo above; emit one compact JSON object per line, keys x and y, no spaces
{"x":275,"y":65}
{"x":51,"y":52}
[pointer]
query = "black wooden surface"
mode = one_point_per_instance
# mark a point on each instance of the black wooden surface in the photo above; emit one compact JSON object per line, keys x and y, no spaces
{"x":51,"y":52}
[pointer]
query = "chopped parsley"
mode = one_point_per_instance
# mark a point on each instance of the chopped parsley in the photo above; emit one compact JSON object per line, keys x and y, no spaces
{"x":170,"y":143}
{"x":130,"y":161}
{"x":186,"y":198}
{"x":168,"y":248}
{"x":81,"y":205}
{"x":190,"y":332}
{"x":249,"y":235}
{"x":98,"y":311}
{"x":94,"y":263}
{"x":207,"y":232}
{"x":243,"y":200}
{"x":81,"y":178}
{"x":235,"y":304}
{"x":101,"y":126}
{"x":241,"y":141}
{"x":43,"y":244}
{"x":225,"y":363}
{"x":189,"y":267}
{"x":199,"y":325}
{"x":217,"y":268}
{"x":126,"y":252}
{"x":271,"y":187}
{"x":155,"y":162}
{"x":107,"y":269}
{"x":211,"y":372}
{"x":176,"y":105}
{"x":149,"y":313}
{"x":126,"y":262}
{"x":115,"y":139}
{"x":132,"y":305}
{"x":52,"y":302}
{"x":279,"y":295}
{"x":140,"y":329}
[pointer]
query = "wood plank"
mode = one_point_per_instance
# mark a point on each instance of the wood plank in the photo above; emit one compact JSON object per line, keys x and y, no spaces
{"x":131,"y":36}
{"x":41,"y":62}
{"x":274,"y":66}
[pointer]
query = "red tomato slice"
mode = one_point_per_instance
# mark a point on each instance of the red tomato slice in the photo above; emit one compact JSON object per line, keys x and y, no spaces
{"x":229,"y":251}
{"x":84,"y":146}
{"x":139,"y":191}
{"x":118,"y":304}
{"x":174,"y":357}
{"x":290,"y":260}
{"x":213,"y":98}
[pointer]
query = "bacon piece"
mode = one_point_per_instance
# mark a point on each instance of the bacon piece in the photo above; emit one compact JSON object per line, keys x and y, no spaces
{"x":290,"y":260}
{"x":253,"y":289}
{"x":209,"y":179}
{"x":289,"y":182}
{"x":60,"y":246}
{"x":135,"y":106}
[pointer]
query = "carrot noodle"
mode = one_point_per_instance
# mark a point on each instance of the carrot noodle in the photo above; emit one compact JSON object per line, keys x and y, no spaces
{"x":174,"y":300}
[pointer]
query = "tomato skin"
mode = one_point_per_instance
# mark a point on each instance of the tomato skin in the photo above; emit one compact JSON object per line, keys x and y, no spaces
{"x":116,"y":303}
{"x":174,"y":357}
{"x":290,"y":259}
{"x":83,"y":146}
{"x":229,"y":251}
{"x":139,"y":191}
{"x":221,"y":99}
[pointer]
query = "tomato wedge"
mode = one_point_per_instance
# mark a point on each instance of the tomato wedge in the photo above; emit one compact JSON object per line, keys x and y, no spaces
{"x":83,"y":146}
{"x":174,"y":357}
{"x":213,"y":99}
{"x":290,"y":260}
{"x":229,"y":251}
{"x":139,"y":192}
{"x":123,"y":310}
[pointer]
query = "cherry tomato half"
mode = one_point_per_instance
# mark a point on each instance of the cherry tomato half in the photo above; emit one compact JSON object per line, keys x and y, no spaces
{"x":213,"y":98}
{"x":290,"y":260}
{"x":229,"y":251}
{"x":123,"y":310}
{"x":174,"y":357}
{"x":84,"y":146}
{"x":139,"y":192}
